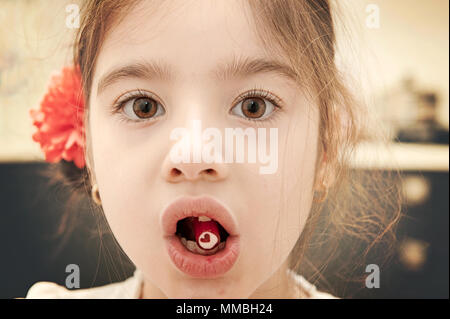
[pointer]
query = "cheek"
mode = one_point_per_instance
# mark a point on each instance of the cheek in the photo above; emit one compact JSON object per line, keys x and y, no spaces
{"x":126,"y":161}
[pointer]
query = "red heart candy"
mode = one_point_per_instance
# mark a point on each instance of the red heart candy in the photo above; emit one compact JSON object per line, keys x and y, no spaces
{"x":205,"y":238}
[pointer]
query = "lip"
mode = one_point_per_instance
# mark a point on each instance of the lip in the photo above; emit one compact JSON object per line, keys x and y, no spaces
{"x":196,"y":265}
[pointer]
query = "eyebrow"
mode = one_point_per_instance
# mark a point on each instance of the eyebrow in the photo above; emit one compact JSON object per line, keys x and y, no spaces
{"x":237,"y":67}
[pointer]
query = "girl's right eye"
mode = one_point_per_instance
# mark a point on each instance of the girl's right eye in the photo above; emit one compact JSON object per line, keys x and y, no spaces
{"x":140,"y":108}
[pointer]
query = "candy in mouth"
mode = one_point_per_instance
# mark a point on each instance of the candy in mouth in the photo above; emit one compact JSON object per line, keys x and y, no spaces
{"x":201,"y":235}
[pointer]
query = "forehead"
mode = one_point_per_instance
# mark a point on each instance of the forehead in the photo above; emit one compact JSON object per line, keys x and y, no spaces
{"x":193,"y":37}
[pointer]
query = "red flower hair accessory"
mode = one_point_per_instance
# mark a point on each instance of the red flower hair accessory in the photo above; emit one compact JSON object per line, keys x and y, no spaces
{"x":59,"y":119}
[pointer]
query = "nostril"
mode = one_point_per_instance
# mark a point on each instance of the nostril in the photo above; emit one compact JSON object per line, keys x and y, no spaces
{"x":175,"y":172}
{"x":211,"y":171}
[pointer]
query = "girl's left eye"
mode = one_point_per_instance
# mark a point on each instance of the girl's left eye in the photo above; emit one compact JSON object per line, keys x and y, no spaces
{"x":255,"y":106}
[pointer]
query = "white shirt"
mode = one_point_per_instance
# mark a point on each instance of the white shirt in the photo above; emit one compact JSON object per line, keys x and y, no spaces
{"x":131,"y":289}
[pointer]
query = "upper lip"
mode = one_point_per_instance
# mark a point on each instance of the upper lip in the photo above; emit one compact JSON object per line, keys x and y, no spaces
{"x":186,"y":206}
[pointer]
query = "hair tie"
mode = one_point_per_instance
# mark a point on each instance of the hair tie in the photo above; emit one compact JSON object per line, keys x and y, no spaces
{"x":59,"y":119}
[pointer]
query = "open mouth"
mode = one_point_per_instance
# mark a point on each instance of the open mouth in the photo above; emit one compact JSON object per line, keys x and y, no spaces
{"x":201,"y":235}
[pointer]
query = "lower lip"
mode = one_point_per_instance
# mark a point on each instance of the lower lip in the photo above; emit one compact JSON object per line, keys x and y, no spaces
{"x":200,"y":266}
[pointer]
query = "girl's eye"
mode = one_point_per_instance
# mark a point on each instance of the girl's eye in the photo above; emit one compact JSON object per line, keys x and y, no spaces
{"x":254,"y":108}
{"x":142,"y":108}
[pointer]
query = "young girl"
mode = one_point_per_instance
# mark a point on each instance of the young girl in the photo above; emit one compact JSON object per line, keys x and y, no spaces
{"x":214,"y":229}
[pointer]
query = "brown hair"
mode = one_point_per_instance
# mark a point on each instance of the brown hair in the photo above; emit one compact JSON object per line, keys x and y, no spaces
{"x":362,"y":208}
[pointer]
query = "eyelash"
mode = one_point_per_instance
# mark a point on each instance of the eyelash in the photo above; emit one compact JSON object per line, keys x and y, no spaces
{"x":277,"y":102}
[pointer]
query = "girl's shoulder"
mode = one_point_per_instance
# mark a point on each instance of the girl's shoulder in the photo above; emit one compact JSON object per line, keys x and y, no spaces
{"x":131,"y":288}
{"x":127,"y":289}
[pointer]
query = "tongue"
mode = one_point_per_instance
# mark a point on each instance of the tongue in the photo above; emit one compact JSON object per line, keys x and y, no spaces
{"x":206,"y":233}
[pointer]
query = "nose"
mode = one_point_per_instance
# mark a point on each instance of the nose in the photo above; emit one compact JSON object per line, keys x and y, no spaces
{"x":174,"y":173}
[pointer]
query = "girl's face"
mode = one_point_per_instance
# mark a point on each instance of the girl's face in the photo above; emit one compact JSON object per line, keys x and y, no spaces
{"x":131,"y":146}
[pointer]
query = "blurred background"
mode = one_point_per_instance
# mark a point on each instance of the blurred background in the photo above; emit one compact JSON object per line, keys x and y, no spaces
{"x":398,"y":56}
